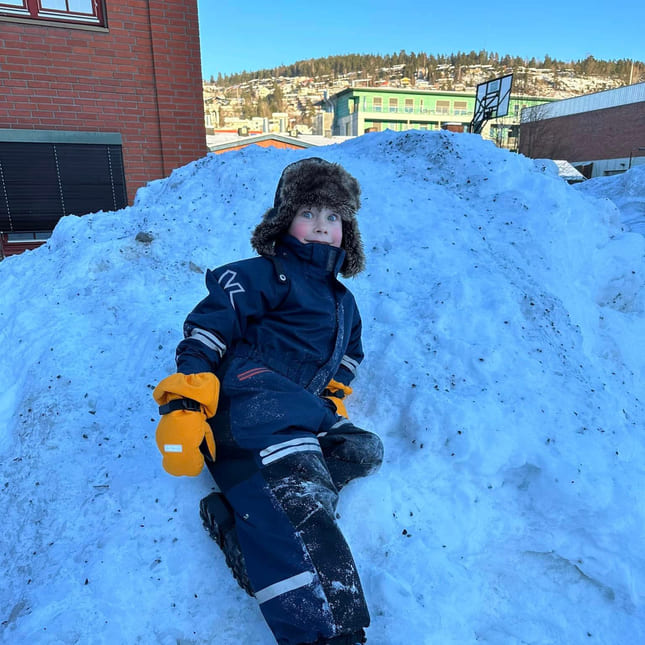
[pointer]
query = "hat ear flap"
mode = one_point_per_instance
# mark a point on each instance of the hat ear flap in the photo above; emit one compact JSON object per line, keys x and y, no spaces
{"x":267,"y":232}
{"x":352,"y":244}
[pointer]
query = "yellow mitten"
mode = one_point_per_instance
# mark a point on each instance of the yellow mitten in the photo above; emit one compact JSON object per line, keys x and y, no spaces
{"x":336,"y":392}
{"x":186,"y":401}
{"x":179,"y":435}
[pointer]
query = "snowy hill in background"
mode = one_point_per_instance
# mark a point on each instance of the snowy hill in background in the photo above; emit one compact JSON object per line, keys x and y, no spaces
{"x":503,"y":315}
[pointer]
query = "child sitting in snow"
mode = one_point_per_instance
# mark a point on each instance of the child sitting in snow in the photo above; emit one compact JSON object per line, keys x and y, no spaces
{"x":266,"y":360}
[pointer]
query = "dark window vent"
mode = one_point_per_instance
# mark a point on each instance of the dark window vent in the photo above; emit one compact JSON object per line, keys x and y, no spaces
{"x":41,"y":182}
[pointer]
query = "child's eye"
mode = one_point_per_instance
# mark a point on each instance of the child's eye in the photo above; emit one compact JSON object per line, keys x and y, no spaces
{"x":333,"y":217}
{"x":306,"y":214}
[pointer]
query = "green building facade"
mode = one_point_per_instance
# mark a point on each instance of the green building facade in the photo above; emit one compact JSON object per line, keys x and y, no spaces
{"x":371,"y":109}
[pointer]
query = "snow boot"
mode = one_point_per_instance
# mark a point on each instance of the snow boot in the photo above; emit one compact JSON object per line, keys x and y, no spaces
{"x":219,"y":520}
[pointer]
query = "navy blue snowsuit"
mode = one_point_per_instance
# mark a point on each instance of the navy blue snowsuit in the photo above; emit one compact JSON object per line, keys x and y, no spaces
{"x":276,"y":331}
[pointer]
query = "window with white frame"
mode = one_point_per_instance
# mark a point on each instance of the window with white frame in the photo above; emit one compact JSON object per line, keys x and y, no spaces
{"x":76,"y":11}
{"x":461,"y":107}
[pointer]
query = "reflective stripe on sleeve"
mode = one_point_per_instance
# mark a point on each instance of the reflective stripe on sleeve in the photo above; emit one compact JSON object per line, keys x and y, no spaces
{"x":209,"y":339}
{"x":173,"y":447}
{"x":284,"y":586}
{"x":350,"y":364}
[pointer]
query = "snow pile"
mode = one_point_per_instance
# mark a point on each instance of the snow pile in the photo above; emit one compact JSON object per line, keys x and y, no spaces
{"x":503,"y":320}
{"x":626,"y":191}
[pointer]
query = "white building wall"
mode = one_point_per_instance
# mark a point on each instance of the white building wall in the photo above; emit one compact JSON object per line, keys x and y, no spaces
{"x":586,"y":103}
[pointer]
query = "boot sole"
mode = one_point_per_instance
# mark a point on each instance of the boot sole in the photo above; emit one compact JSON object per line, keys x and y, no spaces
{"x":217,"y":518}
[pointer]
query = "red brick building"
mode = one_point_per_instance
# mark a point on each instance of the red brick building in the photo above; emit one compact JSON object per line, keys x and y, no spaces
{"x":600,"y":134}
{"x":98,"y":97}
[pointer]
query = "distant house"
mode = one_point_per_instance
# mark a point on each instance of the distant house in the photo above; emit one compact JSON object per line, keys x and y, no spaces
{"x":226,"y":141}
{"x":600,"y":134}
{"x":98,"y":98}
{"x":358,"y":110}
{"x":223,"y":142}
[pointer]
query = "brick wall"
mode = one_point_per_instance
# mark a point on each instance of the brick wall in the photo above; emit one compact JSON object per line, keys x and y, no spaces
{"x":610,"y":133}
{"x":140,"y":77}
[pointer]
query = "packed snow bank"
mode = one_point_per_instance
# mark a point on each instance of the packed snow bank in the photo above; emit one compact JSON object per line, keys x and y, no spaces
{"x":626,"y":191}
{"x":503,"y":320}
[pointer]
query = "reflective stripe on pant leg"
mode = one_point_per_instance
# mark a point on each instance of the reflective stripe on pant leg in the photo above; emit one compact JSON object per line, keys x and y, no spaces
{"x":284,"y":586}
{"x":280,"y":450}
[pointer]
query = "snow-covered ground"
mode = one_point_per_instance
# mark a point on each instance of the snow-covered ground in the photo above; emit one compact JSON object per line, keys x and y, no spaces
{"x":504,"y":317}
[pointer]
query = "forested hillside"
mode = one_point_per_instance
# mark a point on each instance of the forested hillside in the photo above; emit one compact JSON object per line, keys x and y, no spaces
{"x":433,"y":67}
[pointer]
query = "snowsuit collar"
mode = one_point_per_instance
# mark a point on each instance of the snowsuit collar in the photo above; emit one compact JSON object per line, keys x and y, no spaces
{"x":321,"y":257}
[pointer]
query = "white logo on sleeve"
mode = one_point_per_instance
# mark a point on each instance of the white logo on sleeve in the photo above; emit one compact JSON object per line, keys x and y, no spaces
{"x":228,"y":284}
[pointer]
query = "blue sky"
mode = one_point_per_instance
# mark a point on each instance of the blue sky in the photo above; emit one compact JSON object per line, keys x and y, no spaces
{"x":257,"y":34}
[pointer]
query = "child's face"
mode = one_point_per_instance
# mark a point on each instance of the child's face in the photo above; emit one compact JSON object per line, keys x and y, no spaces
{"x":317,"y":224}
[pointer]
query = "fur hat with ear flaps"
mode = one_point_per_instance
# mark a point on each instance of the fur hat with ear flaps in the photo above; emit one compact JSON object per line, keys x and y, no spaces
{"x":314,"y":182}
